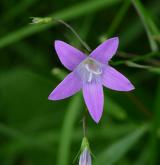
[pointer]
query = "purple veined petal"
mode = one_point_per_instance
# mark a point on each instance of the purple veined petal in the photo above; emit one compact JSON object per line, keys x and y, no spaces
{"x":68,"y":87}
{"x":85,"y":158}
{"x":104,"y":52}
{"x":94,"y":99}
{"x":69,"y":56}
{"x":113,"y":79}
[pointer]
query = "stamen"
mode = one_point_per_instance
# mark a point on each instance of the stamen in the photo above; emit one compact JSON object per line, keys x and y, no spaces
{"x":90,"y":77}
{"x":93,"y":66}
{"x":90,"y":69}
{"x":94,"y":69}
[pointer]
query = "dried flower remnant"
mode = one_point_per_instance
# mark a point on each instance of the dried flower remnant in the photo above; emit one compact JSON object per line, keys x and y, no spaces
{"x":89,"y":73}
{"x":40,"y":20}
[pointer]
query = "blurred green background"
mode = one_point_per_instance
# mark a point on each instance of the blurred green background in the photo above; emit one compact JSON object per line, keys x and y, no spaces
{"x":35,"y":131}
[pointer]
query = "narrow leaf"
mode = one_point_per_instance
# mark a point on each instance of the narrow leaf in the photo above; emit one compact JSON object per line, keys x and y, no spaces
{"x":117,"y":150}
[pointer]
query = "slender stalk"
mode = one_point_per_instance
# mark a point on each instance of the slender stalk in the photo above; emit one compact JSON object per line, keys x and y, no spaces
{"x":84,"y":126}
{"x":75,"y":33}
{"x":136,"y":58}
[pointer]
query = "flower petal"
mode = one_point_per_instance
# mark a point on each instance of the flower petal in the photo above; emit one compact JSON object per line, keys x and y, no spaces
{"x":93,"y":96}
{"x":104,"y":52}
{"x":69,"y":56}
{"x":113,"y":79}
{"x":69,"y":86}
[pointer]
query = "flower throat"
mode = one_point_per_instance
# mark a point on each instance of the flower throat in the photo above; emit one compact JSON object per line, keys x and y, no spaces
{"x":90,"y":69}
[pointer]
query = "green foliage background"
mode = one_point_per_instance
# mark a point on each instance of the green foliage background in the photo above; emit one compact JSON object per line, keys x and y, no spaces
{"x":35,"y":131}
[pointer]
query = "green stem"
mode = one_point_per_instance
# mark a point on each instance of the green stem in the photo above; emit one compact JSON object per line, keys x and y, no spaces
{"x":84,"y":126}
{"x":118,"y":18}
{"x":138,"y":58}
{"x":75,"y":33}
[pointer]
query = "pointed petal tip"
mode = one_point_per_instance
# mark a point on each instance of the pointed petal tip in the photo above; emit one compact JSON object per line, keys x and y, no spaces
{"x":114,"y":80}
{"x":116,"y":40}
{"x":94,"y":99}
{"x":106,"y":50}
{"x":96,"y":117}
{"x":97,"y":120}
{"x":131,"y":87}
{"x":57,"y":42}
{"x":51,"y":97}
{"x":128,"y":88}
{"x":69,"y":56}
{"x":68,"y":87}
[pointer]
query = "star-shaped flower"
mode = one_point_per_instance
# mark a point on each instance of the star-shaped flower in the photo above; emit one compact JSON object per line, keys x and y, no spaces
{"x":89,"y":73}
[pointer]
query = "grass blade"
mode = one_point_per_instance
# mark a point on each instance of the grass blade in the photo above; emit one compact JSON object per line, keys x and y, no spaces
{"x":143,"y":16}
{"x":67,"y":14}
{"x":67,"y":131}
{"x":154,"y":149}
{"x":119,"y":17}
{"x":116,"y":151}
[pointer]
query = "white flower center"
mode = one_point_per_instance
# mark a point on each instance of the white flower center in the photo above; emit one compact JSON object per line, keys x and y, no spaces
{"x":90,"y":69}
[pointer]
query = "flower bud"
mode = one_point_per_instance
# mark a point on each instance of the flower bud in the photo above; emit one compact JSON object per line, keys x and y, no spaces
{"x":85,"y":157}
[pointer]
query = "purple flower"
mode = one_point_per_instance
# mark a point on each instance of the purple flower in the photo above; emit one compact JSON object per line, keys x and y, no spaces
{"x":85,"y":158}
{"x":89,"y":73}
